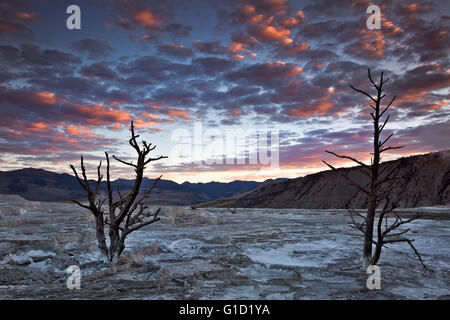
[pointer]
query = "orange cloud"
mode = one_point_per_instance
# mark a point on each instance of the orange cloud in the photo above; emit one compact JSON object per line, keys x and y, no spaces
{"x":319,"y":108}
{"x":10,"y":27}
{"x":296,"y":48}
{"x":415,"y":8}
{"x":276,"y":6}
{"x":99,"y":114}
{"x":146,"y":18}
{"x":236,"y":48}
{"x":290,"y":22}
{"x":45,"y":97}
{"x":38,"y":126}
{"x":371,"y":44}
{"x":273,"y":34}
{"x":28,"y":16}
{"x":179,"y":114}
{"x":76,"y":130}
{"x":248,"y":9}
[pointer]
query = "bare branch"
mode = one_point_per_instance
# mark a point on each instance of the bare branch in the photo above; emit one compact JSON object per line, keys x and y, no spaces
{"x":155,"y":218}
{"x":126,"y":163}
{"x":108,"y":182}
{"x":81,"y":205}
{"x":99,"y":178}
{"x":371,"y":80}
{"x":78,"y":178}
{"x":154,"y":159}
{"x":385,"y":140}
{"x":384,"y":124}
{"x":363,"y":92}
{"x":349,"y":158}
{"x":348,"y":179}
{"x":387,"y":107}
{"x":83,"y":171}
{"x":410,"y":242}
{"x":391,"y":148}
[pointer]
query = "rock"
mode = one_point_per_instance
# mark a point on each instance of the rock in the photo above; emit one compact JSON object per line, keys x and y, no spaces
{"x":9,"y":276}
{"x":39,"y":255}
{"x":19,"y":260}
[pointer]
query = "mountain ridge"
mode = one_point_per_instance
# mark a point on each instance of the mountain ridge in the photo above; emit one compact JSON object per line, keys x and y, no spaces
{"x":36,"y":184}
{"x":427,"y":183}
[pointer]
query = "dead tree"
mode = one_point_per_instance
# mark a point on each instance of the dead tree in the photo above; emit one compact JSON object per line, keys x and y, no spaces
{"x":126,"y":214}
{"x":381,"y":184}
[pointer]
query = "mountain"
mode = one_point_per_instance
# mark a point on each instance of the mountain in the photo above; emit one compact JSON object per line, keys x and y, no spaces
{"x":42,"y":185}
{"x":426,"y":183}
{"x":215,"y":190}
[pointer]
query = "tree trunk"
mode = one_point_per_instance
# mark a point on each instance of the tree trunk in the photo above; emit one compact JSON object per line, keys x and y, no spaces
{"x":116,"y":246}
{"x":372,"y":200}
{"x":379,"y":246}
{"x":368,"y":235}
{"x":100,"y":232}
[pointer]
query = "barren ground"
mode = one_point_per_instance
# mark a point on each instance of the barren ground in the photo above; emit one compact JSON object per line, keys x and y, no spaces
{"x":213,"y":254}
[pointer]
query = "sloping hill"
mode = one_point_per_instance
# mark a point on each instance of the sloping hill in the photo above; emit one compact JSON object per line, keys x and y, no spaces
{"x":426,"y":183}
{"x":41,"y":185}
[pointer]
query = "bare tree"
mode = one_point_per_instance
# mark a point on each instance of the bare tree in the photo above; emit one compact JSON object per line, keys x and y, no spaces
{"x":126,"y":214}
{"x":381,"y":184}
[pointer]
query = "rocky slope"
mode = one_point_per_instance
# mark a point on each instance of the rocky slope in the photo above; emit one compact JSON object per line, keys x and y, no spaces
{"x":426,"y":183}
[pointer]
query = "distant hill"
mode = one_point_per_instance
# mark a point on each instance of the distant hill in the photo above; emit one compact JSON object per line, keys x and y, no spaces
{"x":427,"y":183}
{"x":42,"y":185}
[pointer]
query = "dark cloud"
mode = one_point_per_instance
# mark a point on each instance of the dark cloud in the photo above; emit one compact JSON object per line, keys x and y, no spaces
{"x":175,"y":50}
{"x":31,"y":61}
{"x":265,"y":73}
{"x":177,"y":30}
{"x":100,"y":70}
{"x":93,"y":48}
{"x":210,"y":47}
{"x":14,"y":29}
{"x":213,"y":66}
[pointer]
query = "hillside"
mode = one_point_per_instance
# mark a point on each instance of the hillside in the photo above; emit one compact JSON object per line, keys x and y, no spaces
{"x":426,"y":183}
{"x":41,"y":185}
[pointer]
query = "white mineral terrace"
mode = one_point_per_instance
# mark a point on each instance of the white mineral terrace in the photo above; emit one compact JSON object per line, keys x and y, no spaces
{"x":213,"y":254}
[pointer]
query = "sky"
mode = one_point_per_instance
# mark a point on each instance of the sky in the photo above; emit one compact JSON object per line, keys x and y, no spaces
{"x":227,"y":67}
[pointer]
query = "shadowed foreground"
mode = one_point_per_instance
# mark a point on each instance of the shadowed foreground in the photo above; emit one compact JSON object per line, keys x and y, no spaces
{"x":213,"y":254}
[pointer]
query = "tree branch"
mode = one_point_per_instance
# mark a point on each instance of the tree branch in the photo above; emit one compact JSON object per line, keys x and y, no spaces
{"x":348,"y":179}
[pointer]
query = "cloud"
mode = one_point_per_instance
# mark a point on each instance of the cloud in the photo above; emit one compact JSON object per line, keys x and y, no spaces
{"x":178,"y":114}
{"x":210,"y":47}
{"x":271,"y":33}
{"x":100,"y":70}
{"x":317,"y":108}
{"x":146,"y":18}
{"x":175,"y":50}
{"x":213,"y":66}
{"x":258,"y":63}
{"x":14,"y":28}
{"x":31,"y":60}
{"x":27,"y":16}
{"x":93,"y":48}
{"x":177,"y":30}
{"x":263,"y":73}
